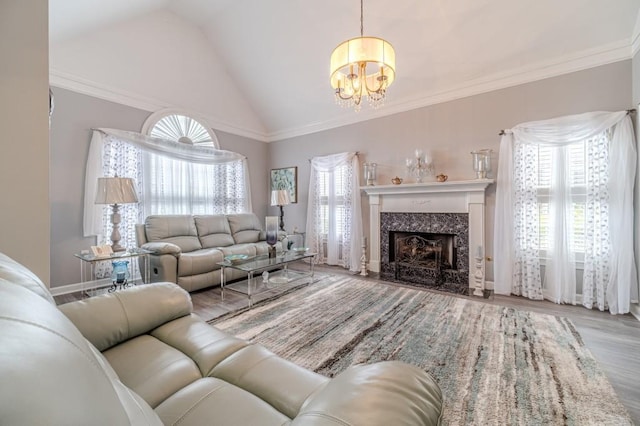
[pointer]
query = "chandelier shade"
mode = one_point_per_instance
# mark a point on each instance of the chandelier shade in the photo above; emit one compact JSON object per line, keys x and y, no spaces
{"x":362,"y":66}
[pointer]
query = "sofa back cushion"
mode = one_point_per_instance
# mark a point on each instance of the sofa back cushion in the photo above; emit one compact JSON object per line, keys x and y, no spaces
{"x":46,"y":364}
{"x":16,"y":274}
{"x":176,"y":229}
{"x":213,"y":231}
{"x":245,"y":228}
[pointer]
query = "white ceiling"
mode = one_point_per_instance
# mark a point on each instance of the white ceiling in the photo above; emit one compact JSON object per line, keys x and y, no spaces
{"x":276,"y":52}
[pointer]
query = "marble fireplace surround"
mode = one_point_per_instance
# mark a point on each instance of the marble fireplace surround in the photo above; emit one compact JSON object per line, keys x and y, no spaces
{"x":431,"y":197}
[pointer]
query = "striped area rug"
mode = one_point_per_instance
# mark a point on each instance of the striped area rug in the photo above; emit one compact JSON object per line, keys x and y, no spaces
{"x":495,"y":365}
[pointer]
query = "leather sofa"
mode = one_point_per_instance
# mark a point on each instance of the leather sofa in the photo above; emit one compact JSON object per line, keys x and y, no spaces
{"x":186,"y":249}
{"x":141,"y":357}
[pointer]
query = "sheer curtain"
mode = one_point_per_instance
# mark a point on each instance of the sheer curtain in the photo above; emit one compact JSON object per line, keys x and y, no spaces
{"x":207,"y":180}
{"x":610,"y":159}
{"x":334,"y":218}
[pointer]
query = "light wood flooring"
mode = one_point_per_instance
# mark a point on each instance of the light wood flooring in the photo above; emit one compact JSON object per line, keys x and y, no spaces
{"x":614,"y":340}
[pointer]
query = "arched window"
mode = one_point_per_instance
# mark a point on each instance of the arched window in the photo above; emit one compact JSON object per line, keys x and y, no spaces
{"x":175,"y":126}
{"x":173,"y":186}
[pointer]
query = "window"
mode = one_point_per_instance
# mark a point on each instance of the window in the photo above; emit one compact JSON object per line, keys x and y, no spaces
{"x":331,"y":190}
{"x":180,"y":187}
{"x":576,"y":177}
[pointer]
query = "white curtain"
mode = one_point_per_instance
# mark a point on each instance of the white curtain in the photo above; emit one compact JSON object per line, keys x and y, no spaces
{"x":609,"y":268}
{"x":212,"y":180}
{"x":334,"y":218}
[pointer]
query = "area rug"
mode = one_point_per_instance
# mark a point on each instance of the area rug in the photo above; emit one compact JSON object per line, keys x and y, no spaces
{"x":496,"y":365}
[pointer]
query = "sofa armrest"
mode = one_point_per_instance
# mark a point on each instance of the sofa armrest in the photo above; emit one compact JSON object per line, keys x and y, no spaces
{"x":162,"y":248}
{"x":115,"y":317}
{"x":383,"y":393}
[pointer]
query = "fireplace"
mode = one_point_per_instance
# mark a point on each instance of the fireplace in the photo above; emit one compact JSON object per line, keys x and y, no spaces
{"x":455,"y":209}
{"x":426,"y":249}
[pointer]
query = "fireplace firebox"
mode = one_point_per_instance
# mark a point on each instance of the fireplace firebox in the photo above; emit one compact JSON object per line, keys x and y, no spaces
{"x":427,"y":249}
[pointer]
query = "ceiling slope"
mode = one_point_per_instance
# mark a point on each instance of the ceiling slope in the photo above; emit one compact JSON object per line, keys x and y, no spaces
{"x":261,"y":68}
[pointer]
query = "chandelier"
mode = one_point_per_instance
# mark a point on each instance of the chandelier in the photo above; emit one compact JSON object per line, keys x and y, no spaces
{"x":362,"y":66}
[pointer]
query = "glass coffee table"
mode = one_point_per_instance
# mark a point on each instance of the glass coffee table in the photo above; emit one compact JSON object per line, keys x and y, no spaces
{"x":257,"y":281}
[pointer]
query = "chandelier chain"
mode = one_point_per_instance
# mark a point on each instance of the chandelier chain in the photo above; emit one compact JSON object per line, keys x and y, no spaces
{"x":361,"y":18}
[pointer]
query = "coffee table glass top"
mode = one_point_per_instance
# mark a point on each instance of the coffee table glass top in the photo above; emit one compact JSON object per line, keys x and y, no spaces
{"x":265,"y":262}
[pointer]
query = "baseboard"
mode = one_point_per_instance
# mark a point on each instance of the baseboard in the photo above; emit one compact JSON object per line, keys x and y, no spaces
{"x":74,"y":288}
{"x":635,"y":310}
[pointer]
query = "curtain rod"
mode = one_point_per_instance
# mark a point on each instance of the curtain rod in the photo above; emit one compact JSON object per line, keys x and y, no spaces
{"x":629,"y":111}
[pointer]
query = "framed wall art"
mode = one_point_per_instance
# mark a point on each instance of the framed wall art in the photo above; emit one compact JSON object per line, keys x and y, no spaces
{"x":286,"y":178}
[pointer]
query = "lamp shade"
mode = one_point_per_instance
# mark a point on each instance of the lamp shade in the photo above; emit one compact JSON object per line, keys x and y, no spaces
{"x":280,"y":197}
{"x":373,"y":51}
{"x":116,"y":190}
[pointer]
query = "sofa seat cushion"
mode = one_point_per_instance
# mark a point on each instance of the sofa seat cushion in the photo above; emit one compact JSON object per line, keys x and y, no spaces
{"x":199,"y":262}
{"x":281,"y":383}
{"x":213,"y":231}
{"x":212,"y":401}
{"x":245,"y":228}
{"x":151,"y":368}
{"x":176,"y":229}
{"x":248,"y":249}
{"x":203,"y":343}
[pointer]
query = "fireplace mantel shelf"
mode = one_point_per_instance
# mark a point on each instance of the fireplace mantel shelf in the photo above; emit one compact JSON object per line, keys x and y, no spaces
{"x":429,"y":187}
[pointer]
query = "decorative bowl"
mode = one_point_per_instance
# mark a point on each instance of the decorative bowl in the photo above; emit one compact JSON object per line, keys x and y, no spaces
{"x":396,"y":180}
{"x":300,"y":249}
{"x":442,"y":178}
{"x":236,"y":258}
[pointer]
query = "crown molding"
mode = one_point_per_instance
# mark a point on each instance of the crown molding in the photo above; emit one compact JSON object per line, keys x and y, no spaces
{"x":88,"y":87}
{"x":635,"y":37}
{"x":590,"y":58}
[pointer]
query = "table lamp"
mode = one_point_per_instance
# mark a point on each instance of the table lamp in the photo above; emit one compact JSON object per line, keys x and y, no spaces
{"x":280,"y":198}
{"x":115,"y":191}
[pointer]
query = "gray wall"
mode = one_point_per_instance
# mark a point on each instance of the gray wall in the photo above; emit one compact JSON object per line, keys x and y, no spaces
{"x":24,"y":120}
{"x":451,"y":130}
{"x":74,"y":116}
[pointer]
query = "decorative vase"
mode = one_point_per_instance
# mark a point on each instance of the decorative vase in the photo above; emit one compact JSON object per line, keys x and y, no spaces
{"x":481,"y":162}
{"x":370,"y":173}
{"x":271,"y":227}
{"x":120,"y":274}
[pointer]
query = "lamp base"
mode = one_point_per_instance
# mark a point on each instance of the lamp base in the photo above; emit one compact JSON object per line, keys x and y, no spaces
{"x":281,"y":218}
{"x":115,"y":232}
{"x":117,"y":247}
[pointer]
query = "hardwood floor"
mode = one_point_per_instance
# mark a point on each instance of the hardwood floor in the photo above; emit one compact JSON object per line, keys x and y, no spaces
{"x":614,"y":340}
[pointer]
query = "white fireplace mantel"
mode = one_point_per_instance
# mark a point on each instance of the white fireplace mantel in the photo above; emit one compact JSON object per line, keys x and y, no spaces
{"x":465,"y":196}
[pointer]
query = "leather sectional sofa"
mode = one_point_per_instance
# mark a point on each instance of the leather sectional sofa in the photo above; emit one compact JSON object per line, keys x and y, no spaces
{"x":186,"y":248}
{"x":141,"y":357}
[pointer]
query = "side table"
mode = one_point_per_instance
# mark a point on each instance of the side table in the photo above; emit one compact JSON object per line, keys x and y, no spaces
{"x":91,"y":264}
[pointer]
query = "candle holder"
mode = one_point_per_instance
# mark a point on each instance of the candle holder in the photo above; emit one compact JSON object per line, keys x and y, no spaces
{"x":120,"y":275}
{"x":421,"y":166}
{"x":481,"y":160}
{"x":370,"y":173}
{"x":271,"y":226}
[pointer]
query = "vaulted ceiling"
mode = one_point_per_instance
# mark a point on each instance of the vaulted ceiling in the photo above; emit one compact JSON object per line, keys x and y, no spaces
{"x":260,"y":68}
